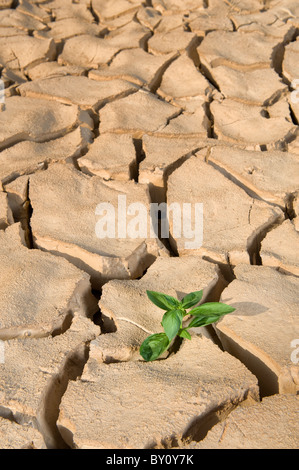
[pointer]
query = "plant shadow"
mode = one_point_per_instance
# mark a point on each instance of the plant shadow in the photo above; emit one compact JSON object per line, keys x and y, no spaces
{"x":246,"y":309}
{"x":242,"y":308}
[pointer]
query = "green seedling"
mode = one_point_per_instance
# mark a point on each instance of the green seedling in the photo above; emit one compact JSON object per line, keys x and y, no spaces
{"x":172,"y":321}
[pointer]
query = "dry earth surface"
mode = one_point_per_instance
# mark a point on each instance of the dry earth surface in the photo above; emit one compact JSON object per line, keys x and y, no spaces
{"x":158,"y":101}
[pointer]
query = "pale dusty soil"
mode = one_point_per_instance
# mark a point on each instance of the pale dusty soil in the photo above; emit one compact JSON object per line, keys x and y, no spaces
{"x":160,"y":101}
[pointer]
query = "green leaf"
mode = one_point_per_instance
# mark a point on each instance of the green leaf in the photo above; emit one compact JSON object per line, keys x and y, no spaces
{"x":164,"y":301}
{"x":153,"y":346}
{"x":212,"y":308}
{"x":184,"y":334}
{"x":171,"y":322}
{"x":192,"y":299}
{"x":203,"y":320}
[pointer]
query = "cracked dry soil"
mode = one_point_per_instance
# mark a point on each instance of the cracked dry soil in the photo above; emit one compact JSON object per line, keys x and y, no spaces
{"x":161,"y":101}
